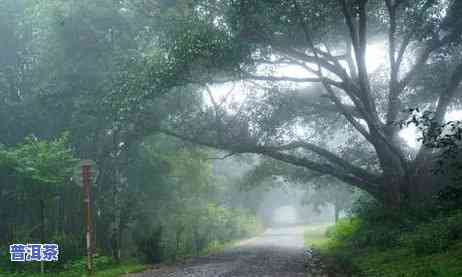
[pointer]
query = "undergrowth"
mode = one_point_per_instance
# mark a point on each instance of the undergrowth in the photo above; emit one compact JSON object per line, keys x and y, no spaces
{"x":410,"y":244}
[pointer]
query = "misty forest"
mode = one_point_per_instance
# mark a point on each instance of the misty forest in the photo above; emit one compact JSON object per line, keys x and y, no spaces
{"x":231,"y":138}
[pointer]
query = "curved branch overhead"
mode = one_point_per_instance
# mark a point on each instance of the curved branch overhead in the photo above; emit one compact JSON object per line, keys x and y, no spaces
{"x":332,"y":103}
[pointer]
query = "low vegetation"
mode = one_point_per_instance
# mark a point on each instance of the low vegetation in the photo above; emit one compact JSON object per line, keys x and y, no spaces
{"x":315,"y":236}
{"x":104,"y":267}
{"x":176,"y":208}
{"x":157,"y":92}
{"x":369,"y":245}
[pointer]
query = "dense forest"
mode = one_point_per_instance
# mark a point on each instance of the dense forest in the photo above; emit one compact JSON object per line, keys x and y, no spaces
{"x":204,"y":117}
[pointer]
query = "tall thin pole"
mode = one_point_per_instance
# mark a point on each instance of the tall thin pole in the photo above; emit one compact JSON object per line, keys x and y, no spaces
{"x":86,"y":176}
{"x":42,"y":229}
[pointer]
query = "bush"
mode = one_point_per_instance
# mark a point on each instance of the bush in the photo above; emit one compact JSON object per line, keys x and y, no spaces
{"x":382,"y":228}
{"x":344,"y":229}
{"x":70,"y":247}
{"x":150,"y":246}
{"x":427,"y":239}
{"x":406,"y":246}
{"x":449,"y":198}
{"x":357,"y":233}
{"x":99,"y":263}
{"x":435,"y":236}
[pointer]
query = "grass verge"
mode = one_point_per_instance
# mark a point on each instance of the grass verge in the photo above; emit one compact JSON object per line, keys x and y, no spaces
{"x":315,"y":236}
{"x":113,"y":271}
{"x":428,"y":249}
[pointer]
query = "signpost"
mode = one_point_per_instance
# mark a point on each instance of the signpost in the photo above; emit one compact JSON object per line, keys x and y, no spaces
{"x":85,"y":173}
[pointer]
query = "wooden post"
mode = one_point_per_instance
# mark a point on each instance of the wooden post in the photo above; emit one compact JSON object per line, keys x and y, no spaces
{"x":42,"y":229}
{"x":86,"y":178}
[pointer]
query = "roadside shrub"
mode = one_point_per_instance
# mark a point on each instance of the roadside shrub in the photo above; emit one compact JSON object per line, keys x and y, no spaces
{"x":379,"y":237}
{"x":70,"y":247}
{"x":344,"y":229}
{"x":427,"y":239}
{"x":5,"y":264}
{"x":435,"y":236}
{"x":455,"y":226}
{"x":449,"y":198}
{"x":99,"y":263}
{"x":382,"y":228}
{"x":357,"y":233}
{"x":150,"y":246}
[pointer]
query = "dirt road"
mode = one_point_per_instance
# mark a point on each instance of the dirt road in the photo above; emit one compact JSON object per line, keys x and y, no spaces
{"x":278,"y":252}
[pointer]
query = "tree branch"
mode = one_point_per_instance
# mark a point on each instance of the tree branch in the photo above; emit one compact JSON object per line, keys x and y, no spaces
{"x":443,"y":102}
{"x":222,"y":157}
{"x":324,"y":63}
{"x":359,"y":41}
{"x":293,"y":79}
{"x":357,"y":181}
{"x":331,"y":157}
{"x":218,"y":122}
{"x":348,"y":115}
{"x":283,"y":78}
{"x":336,"y":67}
{"x":422,"y":59}
{"x":447,"y":95}
{"x":366,"y":182}
{"x":394,"y":90}
{"x":410,"y":34}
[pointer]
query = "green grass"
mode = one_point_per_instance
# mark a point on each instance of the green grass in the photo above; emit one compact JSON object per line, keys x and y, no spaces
{"x":315,"y":236}
{"x":400,"y":260}
{"x":120,"y":270}
{"x":114,"y":271}
{"x":216,"y":247}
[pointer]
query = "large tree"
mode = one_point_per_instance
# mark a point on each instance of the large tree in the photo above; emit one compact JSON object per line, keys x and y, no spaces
{"x":213,"y":42}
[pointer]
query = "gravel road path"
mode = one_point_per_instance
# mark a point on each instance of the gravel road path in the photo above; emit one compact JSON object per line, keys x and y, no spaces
{"x":277,"y":252}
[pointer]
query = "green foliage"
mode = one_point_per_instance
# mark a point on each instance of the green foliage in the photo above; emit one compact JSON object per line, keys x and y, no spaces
{"x":343,"y":229}
{"x":150,"y":245}
{"x":96,"y":71}
{"x":103,"y":267}
{"x":356,"y":233}
{"x":43,"y":162}
{"x":70,"y":248}
{"x":196,"y":231}
{"x":99,"y":263}
{"x":70,"y":256}
{"x":182,"y":209}
{"x":435,"y":236}
{"x":401,"y":262}
{"x":317,"y":236}
{"x":428,"y":248}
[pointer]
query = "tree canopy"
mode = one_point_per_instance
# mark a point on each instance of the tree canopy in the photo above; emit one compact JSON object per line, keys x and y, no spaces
{"x":337,"y":96}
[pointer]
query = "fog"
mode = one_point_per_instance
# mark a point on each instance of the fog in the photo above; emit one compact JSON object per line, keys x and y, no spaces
{"x":153,"y":131}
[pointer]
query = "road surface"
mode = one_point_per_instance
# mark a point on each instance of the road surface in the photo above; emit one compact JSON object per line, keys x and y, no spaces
{"x":277,"y":252}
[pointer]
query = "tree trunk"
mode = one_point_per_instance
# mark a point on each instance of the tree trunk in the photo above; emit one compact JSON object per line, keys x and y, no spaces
{"x":416,"y":187}
{"x":195,"y":245}
{"x":336,"y":212}
{"x":119,"y":243}
{"x":392,"y":198}
{"x":179,"y":234}
{"x":116,"y":222}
